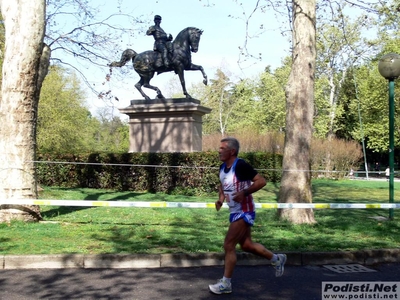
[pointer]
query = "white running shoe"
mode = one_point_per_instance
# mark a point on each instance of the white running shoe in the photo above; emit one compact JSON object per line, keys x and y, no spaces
{"x":221,"y":287}
{"x":279,"y":265}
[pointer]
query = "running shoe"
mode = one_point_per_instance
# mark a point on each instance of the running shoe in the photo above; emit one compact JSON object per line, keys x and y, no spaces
{"x":279,"y":265}
{"x":221,"y":287}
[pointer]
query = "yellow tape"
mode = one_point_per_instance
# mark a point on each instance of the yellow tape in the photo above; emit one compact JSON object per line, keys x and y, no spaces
{"x":322,"y":205}
{"x":375,"y":205}
{"x":158,"y":204}
{"x":269,"y":205}
{"x":100,"y":203}
{"x":41,"y":202}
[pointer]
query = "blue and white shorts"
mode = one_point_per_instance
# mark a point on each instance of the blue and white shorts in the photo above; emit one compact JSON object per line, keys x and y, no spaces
{"x":248,"y":217}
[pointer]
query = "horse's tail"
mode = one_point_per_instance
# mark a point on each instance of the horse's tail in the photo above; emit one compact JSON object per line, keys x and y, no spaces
{"x":127,"y":55}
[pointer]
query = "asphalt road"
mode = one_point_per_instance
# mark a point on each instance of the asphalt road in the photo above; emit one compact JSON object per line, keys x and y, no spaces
{"x":250,"y":282}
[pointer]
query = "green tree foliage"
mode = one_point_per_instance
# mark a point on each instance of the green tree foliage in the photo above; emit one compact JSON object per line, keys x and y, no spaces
{"x":347,"y":86}
{"x":271,"y":93}
{"x":218,"y":97}
{"x":340,"y":45}
{"x":112,"y":134}
{"x":373,"y":99}
{"x":256,"y":105}
{"x":65,"y":124}
{"x":349,"y":120}
{"x":245,"y":117}
{"x":389,"y":19}
{"x":364,"y":95}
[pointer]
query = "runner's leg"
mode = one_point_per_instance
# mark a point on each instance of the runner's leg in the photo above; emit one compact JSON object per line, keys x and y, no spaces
{"x":237,"y":232}
{"x":256,"y":248}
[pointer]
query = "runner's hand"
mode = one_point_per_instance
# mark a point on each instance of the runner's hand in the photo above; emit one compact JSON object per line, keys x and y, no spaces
{"x":238,"y":197}
{"x":218,"y":205}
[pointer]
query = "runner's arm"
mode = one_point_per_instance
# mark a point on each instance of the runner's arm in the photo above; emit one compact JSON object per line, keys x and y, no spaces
{"x":221,"y":197}
{"x":258,"y":183}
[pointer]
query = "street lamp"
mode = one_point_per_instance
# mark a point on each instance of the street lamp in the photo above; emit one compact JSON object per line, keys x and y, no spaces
{"x":389,"y":67}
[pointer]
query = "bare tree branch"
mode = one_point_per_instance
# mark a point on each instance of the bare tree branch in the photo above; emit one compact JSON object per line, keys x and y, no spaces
{"x":79,"y":36}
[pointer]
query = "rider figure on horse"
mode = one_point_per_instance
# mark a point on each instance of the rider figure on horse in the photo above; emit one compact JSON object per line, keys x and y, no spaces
{"x":162,"y":41}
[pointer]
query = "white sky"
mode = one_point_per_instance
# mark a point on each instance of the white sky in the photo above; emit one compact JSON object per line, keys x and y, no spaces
{"x":219,"y":44}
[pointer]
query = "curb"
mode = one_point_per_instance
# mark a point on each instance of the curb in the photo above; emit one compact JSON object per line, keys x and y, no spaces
{"x":137,"y":261}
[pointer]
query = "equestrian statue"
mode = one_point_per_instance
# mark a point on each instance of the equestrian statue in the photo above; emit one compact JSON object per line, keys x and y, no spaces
{"x":167,"y":55}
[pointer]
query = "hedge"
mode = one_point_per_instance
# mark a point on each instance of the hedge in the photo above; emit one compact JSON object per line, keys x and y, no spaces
{"x":189,"y":173}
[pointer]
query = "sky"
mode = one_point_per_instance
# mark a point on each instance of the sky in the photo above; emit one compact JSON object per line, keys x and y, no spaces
{"x":224,"y":31}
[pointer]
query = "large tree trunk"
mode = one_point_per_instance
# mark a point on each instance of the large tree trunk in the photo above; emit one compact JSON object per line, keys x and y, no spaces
{"x":24,"y":22}
{"x":296,"y":177}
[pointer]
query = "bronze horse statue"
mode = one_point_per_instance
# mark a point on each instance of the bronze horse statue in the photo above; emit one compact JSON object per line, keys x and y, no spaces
{"x":149,"y":62}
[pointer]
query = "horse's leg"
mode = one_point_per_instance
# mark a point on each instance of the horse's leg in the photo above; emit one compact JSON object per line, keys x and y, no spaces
{"x":194,"y":67}
{"x":181,"y":75}
{"x":154,"y":88}
{"x":145,"y":78}
{"x":138,"y":86}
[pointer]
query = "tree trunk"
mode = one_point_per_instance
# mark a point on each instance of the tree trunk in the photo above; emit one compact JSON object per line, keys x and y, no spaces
{"x":24,"y":22}
{"x":296,"y":177}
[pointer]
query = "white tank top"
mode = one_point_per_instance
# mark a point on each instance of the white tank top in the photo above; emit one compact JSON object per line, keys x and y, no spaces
{"x":231,"y":185}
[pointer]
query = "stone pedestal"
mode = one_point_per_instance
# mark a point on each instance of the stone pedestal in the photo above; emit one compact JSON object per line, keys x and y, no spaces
{"x":165,"y":125}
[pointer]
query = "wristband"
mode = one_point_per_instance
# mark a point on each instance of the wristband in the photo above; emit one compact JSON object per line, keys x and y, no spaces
{"x":246,"y":192}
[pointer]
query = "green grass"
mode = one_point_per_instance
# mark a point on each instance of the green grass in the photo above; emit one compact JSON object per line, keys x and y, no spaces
{"x":96,"y":230}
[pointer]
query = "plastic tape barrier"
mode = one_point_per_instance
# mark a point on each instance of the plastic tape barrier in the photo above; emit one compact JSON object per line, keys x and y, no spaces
{"x":196,"y":204}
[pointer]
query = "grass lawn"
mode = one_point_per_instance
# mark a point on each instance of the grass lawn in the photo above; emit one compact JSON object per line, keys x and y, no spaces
{"x":97,"y":230}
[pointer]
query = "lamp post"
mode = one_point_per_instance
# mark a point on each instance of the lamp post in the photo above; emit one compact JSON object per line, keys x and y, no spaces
{"x":389,"y":67}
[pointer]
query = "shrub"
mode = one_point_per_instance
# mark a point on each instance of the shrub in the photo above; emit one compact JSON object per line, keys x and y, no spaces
{"x":154,"y":172}
{"x":188,"y":173}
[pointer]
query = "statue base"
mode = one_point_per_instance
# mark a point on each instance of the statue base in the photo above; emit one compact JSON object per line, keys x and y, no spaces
{"x":165,"y":125}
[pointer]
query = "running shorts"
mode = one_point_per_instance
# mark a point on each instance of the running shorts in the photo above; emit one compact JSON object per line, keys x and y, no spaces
{"x":248,"y":217}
